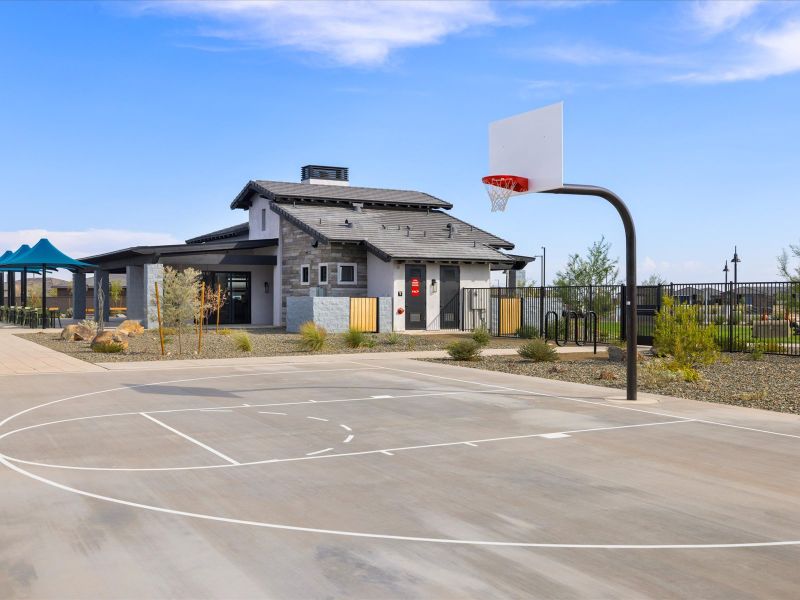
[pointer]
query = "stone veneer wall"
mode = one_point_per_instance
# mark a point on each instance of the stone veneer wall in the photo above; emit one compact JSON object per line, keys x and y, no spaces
{"x":297,"y":250}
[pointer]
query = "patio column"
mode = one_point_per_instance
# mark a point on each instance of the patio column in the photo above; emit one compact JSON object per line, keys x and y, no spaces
{"x":79,"y":296}
{"x":512,"y":278}
{"x":2,"y":290}
{"x":101,"y":283}
{"x":12,"y":289}
{"x":135,"y":297}
{"x":151,"y":274}
{"x":23,"y":287}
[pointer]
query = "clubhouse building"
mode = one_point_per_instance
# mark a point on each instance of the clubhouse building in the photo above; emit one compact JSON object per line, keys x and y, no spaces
{"x":305,"y":244}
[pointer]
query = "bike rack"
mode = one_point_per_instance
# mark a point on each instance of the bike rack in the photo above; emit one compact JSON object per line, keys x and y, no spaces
{"x":573,"y":315}
{"x":547,"y":322}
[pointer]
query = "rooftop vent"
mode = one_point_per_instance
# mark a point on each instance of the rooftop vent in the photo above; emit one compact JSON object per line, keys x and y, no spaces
{"x":324,"y":175}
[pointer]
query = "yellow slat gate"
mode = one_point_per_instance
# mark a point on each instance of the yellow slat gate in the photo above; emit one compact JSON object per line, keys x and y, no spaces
{"x":364,"y":314}
{"x":510,"y":315}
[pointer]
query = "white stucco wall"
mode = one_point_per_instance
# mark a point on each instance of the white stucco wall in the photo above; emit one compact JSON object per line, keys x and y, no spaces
{"x":471,"y":276}
{"x":272,"y":230}
{"x":380,"y":277}
{"x":261,"y":303}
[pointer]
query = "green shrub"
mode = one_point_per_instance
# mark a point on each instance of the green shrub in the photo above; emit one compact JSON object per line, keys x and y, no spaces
{"x":312,"y":336}
{"x":354,"y":337}
{"x":392,"y":338}
{"x":528,"y":332}
{"x":757,"y":352}
{"x":108,"y":347}
{"x":538,"y":351}
{"x":481,"y":335}
{"x":242,"y":342}
{"x":370,"y":341}
{"x":678,"y":334}
{"x":656,"y":374}
{"x":225,"y":331}
{"x":464,"y":350}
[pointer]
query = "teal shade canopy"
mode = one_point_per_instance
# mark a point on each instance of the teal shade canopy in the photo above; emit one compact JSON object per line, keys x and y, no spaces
{"x":43,"y":254}
{"x":8,"y":255}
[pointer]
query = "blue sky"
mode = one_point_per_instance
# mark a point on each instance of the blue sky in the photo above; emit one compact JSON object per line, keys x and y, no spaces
{"x":135,"y":123}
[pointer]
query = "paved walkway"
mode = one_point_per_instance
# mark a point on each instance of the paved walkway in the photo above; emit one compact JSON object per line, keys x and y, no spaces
{"x":19,"y":356}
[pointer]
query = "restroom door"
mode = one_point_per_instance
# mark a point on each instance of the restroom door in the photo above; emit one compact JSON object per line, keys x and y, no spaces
{"x":449,"y":299}
{"x":415,"y":297}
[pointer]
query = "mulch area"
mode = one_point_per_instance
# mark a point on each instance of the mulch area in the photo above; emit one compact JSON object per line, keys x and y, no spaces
{"x":265,"y":343}
{"x":772,"y":383}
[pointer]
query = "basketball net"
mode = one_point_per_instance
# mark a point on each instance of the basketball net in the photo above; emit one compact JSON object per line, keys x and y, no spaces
{"x":499,"y":193}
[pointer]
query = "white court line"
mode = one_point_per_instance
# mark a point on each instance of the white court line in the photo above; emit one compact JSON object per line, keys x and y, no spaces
{"x":470,"y":444}
{"x":583,"y":401}
{"x":358,"y":534}
{"x":317,"y":419}
{"x":554,"y":436}
{"x":348,"y":439}
{"x":266,"y":412}
{"x":315,"y":453}
{"x":345,"y":427}
{"x":381,"y":396}
{"x":214,"y":410}
{"x":206,"y":378}
{"x":191,"y":439}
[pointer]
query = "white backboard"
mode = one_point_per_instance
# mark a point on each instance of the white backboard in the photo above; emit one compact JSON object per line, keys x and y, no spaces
{"x":530,"y":145}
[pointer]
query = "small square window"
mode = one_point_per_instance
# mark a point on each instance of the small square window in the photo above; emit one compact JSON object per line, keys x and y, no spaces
{"x":347,"y":274}
{"x":263,"y":219}
{"x":305,"y":274}
{"x":323,"y":274}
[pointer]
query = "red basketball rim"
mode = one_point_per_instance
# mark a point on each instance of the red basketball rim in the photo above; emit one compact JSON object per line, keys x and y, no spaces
{"x":515,"y":183}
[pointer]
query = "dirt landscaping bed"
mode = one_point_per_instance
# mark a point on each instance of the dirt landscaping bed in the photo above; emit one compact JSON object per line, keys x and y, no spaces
{"x":265,"y":343}
{"x":772,"y":383}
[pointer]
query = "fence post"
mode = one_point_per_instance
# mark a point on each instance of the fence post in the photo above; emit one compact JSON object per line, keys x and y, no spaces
{"x":730,"y":316}
{"x":623,"y":329}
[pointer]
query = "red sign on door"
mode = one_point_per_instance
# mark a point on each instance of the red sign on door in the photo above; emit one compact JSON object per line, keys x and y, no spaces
{"x":414,"y":286}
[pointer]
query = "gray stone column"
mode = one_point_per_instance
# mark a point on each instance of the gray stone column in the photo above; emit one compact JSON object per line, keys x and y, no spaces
{"x":79,"y":296}
{"x":2,"y":290}
{"x":151,"y":274}
{"x":12,"y":289}
{"x":101,"y":282}
{"x":512,"y":278}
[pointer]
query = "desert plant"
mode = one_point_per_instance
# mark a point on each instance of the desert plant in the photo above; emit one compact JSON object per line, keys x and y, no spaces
{"x":528,"y":332}
{"x":481,"y":335}
{"x":312,"y":336}
{"x":655,"y":374}
{"x":757,"y":351}
{"x":115,"y":292}
{"x":464,"y":350}
{"x":179,"y":302}
{"x":108,"y":347}
{"x":538,"y":351}
{"x":242,"y":341}
{"x":678,"y":334}
{"x":89,"y":325}
{"x":392,"y":338}
{"x":224,"y":331}
{"x":370,"y":341}
{"x":354,"y":338}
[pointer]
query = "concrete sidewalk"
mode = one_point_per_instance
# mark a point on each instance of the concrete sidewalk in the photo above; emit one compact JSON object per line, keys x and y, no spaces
{"x":20,"y":357}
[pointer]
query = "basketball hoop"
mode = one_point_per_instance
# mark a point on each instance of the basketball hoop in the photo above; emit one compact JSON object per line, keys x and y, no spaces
{"x":500,"y":188}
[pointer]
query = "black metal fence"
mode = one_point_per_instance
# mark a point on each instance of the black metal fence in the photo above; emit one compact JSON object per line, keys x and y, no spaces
{"x":744,"y":316}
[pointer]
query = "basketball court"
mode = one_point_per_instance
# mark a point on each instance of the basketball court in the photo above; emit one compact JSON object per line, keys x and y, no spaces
{"x":391,"y":477}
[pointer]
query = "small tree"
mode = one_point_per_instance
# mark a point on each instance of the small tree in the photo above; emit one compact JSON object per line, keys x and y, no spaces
{"x":214,"y":301}
{"x":179,"y":300}
{"x":596,"y":268}
{"x":785,"y":270}
{"x":680,"y":335}
{"x":115,"y":292}
{"x":654,"y":279}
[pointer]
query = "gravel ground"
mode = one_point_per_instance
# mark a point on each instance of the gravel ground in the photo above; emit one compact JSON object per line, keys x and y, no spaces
{"x":772,"y":383}
{"x":265,"y":343}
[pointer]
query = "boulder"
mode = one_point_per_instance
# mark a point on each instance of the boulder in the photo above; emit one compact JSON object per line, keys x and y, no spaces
{"x":130,"y":328}
{"x":617,"y":354}
{"x":76,"y":333}
{"x":107,"y":337}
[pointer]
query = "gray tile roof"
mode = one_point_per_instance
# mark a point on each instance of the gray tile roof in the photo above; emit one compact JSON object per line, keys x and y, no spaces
{"x":400,"y":234}
{"x":335,"y":193}
{"x":241,"y":229}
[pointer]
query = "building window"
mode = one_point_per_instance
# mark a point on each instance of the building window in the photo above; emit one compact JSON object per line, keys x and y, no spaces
{"x":305,"y":274}
{"x":263,"y":219}
{"x":323,"y":274}
{"x":347,"y":273}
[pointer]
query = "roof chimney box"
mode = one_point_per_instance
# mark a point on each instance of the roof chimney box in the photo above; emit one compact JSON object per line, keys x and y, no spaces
{"x":317,"y":174}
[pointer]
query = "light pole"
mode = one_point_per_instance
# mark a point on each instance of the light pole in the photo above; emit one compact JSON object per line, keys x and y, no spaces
{"x":725,"y":270}
{"x":544,"y":262}
{"x":735,"y":260}
{"x":541,"y":270}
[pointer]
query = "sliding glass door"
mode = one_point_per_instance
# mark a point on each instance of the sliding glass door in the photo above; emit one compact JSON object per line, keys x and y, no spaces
{"x":235,"y":287}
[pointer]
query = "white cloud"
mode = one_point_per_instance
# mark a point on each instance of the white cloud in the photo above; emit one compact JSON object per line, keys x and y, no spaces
{"x":715,"y":16}
{"x":78,"y":244}
{"x":592,"y":55}
{"x":347,"y":32}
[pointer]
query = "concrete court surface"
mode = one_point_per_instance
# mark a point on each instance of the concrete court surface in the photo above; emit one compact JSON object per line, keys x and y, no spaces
{"x":391,"y":478}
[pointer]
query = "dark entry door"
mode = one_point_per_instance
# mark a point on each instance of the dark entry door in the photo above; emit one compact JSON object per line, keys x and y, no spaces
{"x":449,"y":305}
{"x":235,"y":289}
{"x":415,"y":297}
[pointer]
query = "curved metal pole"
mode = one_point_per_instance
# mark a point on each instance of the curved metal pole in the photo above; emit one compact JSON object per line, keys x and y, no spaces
{"x":630,"y":270}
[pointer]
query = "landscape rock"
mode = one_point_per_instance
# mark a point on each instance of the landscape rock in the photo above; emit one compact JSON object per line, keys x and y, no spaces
{"x":108,"y":337}
{"x":617,"y":354}
{"x":130,"y":328}
{"x":76,"y":333}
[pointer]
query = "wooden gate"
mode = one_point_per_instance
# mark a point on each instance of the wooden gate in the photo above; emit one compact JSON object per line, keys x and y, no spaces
{"x":510,"y":317}
{"x":364,"y":314}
